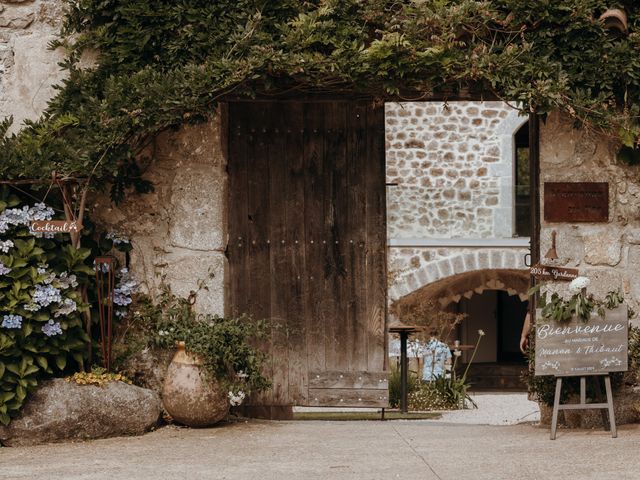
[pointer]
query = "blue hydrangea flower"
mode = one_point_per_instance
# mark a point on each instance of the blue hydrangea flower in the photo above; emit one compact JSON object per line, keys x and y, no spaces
{"x":125,"y":288}
{"x":4,"y":269}
{"x":51,"y":328}
{"x":12,"y":321}
{"x":45,"y":295}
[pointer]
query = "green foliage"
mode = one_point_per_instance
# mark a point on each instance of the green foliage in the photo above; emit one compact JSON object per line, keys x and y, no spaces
{"x":226,"y":346}
{"x":413,"y":383}
{"x":441,"y":394}
{"x":580,"y":305}
{"x":163,"y":63}
{"x":41,"y":331}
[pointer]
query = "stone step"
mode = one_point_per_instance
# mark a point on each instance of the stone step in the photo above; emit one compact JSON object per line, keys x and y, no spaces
{"x":496,"y":376}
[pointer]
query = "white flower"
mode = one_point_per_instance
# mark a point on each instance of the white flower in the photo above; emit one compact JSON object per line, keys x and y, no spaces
{"x":457,"y":353}
{"x":236,"y":399}
{"x":578,"y":283}
{"x":481,"y":333}
{"x":5,"y":246}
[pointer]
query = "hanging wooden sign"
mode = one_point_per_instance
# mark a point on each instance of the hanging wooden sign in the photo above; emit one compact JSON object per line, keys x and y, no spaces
{"x":577,"y":348}
{"x":55,"y":226}
{"x":559,"y":274}
{"x":572,"y":202}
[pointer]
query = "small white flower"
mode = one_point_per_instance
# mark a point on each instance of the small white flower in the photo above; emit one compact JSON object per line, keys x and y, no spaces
{"x":5,"y":246}
{"x":578,"y":283}
{"x":481,"y":333}
{"x":457,"y":353}
{"x":236,"y":399}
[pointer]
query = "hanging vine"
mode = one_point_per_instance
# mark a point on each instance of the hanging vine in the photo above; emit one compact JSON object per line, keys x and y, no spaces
{"x":163,"y":63}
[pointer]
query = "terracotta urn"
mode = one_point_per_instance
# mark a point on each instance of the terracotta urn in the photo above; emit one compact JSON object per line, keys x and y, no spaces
{"x":189,"y":396}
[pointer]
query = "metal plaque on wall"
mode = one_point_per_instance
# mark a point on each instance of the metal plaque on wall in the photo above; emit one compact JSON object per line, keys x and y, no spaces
{"x":577,"y":348}
{"x":576,"y":202}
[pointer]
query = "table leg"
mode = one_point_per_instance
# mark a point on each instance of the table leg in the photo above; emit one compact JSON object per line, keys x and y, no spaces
{"x":403,"y":372}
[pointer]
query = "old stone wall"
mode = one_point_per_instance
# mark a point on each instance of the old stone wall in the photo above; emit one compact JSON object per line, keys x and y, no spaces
{"x":450,"y":170}
{"x":451,"y":166}
{"x":28,"y":69}
{"x":607,"y":253}
{"x":178,"y":232}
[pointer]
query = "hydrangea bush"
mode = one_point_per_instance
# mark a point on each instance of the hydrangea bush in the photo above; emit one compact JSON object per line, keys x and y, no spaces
{"x":41,"y":324}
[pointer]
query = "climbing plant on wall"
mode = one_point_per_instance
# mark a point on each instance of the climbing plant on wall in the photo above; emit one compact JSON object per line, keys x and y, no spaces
{"x":162,"y":63}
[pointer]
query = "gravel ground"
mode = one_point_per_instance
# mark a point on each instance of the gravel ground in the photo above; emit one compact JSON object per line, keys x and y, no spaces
{"x":495,"y":409}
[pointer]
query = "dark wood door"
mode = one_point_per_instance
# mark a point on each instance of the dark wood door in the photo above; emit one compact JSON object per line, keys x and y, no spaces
{"x":307,"y":245}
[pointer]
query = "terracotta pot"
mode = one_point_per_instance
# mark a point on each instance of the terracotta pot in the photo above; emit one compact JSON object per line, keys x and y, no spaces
{"x":188,"y":396}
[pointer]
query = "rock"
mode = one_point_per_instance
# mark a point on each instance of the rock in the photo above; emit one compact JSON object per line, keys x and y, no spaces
{"x":60,"y":410}
{"x":16,"y":21}
{"x":602,"y":246}
{"x":148,"y":368}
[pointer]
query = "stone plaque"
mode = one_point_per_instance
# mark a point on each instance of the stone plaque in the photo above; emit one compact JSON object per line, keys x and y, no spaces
{"x":544,"y":272}
{"x":55,"y":226}
{"x":577,"y":348}
{"x":576,"y":202}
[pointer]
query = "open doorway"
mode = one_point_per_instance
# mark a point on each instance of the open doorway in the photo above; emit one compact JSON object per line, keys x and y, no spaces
{"x":498,"y":362}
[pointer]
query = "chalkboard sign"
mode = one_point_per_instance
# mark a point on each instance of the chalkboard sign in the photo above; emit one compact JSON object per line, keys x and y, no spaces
{"x":577,"y":348}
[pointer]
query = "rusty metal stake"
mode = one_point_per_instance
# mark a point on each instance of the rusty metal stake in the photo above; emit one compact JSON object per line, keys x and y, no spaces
{"x":105,"y":282}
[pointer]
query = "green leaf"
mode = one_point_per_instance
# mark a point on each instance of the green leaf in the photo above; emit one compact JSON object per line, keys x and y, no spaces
{"x":61,"y":362}
{"x":42,"y":361}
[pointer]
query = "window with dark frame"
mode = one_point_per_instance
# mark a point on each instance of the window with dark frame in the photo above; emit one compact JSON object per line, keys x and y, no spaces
{"x":522,"y":184}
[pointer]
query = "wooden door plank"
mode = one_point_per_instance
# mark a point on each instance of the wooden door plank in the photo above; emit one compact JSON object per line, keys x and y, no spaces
{"x":278,"y":198}
{"x":336,"y":230}
{"x":376,"y":265}
{"x":295,"y":252}
{"x":348,"y":397}
{"x":357,"y":213}
{"x":258,"y":219}
{"x":314,"y":226}
{"x":340,"y":379}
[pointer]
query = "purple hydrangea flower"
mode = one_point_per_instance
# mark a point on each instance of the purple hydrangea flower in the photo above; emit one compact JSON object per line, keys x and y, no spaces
{"x":4,"y":269}
{"x":51,"y":328}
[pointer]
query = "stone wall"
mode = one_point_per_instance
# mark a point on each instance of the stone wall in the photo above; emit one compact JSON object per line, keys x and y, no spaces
{"x":451,"y":173}
{"x":607,"y":253}
{"x":452,"y":169}
{"x":178,"y":232}
{"x":28,"y":69}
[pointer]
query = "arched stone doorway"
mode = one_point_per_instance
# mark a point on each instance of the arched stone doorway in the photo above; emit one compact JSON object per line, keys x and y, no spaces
{"x":492,"y":300}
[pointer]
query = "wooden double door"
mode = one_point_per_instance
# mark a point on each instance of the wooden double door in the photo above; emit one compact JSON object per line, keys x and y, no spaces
{"x":307,"y":245}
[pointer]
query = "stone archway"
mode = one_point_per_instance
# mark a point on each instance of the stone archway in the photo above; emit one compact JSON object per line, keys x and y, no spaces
{"x":454,"y":287}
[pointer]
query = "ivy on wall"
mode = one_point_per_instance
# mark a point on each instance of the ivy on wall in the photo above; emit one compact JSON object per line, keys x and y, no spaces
{"x":162,"y":63}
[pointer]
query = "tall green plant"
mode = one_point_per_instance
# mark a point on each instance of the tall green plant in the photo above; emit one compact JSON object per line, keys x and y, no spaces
{"x":41,"y":327}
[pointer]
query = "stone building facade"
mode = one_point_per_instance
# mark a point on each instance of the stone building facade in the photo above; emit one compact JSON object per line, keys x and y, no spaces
{"x":449,"y":169}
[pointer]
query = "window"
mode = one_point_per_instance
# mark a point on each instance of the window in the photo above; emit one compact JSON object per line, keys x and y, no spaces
{"x":522,"y":183}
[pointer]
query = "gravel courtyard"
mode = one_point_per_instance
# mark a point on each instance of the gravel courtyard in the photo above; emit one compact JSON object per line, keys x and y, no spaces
{"x":366,"y":450}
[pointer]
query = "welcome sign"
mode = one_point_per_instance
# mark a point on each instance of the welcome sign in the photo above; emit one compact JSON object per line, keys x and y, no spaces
{"x":577,"y":348}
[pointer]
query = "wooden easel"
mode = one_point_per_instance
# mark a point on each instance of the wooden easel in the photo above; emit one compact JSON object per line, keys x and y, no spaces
{"x":583,"y":405}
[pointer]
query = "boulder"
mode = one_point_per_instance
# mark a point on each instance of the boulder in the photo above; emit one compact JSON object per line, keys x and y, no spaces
{"x":59,"y":410}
